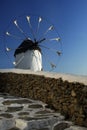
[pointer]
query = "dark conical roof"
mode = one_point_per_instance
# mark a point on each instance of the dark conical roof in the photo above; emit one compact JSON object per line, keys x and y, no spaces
{"x":27,"y":45}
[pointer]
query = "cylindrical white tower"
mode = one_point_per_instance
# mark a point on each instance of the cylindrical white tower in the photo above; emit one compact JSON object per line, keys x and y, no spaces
{"x":28,"y":56}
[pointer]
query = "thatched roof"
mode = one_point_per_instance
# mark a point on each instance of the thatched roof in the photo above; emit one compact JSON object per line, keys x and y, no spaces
{"x":27,"y":45}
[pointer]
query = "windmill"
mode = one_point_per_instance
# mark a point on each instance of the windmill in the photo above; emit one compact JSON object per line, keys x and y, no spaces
{"x":34,"y":43}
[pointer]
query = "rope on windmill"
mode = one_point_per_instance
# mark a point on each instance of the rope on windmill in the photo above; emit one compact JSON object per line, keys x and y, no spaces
{"x":19,"y":28}
{"x":14,"y":36}
{"x":53,"y":50}
{"x":17,"y":63}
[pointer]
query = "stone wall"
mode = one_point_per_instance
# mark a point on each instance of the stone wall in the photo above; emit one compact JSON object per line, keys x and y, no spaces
{"x":69,"y":98}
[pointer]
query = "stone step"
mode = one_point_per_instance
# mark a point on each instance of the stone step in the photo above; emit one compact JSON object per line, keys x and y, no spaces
{"x":18,"y":113}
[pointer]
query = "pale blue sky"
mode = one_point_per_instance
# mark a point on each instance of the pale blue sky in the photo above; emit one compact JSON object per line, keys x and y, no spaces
{"x":70,"y":20}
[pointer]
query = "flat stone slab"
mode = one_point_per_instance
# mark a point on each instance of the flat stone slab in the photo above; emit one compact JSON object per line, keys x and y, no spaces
{"x":76,"y":128}
{"x":18,"y":113}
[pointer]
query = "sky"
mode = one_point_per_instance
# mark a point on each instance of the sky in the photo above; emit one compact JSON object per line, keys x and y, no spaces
{"x":70,"y":20}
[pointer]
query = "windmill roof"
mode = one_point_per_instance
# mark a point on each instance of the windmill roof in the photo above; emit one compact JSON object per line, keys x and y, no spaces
{"x":27,"y":45}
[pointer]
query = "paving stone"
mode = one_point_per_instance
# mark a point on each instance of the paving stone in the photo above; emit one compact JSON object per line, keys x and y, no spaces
{"x":43,"y":112}
{"x":76,"y":128}
{"x":44,"y":129}
{"x":6,"y":115}
{"x":23,"y":101}
{"x":6,"y":124}
{"x":35,"y":106}
{"x":14,"y":128}
{"x":61,"y":126}
{"x":23,"y":113}
{"x":27,"y":114}
{"x":14,"y":109}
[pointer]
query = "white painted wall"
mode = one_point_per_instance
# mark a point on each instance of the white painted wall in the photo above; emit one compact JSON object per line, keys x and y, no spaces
{"x":31,"y":59}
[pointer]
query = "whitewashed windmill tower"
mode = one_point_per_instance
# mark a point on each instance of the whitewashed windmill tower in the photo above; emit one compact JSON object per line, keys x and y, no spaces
{"x":28,"y":56}
{"x":38,"y":50}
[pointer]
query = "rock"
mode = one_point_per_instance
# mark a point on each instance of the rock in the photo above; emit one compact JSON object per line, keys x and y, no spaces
{"x":6,"y":115}
{"x":35,"y":106}
{"x":76,"y":128}
{"x":61,"y":126}
{"x":6,"y":124}
{"x":14,"y":128}
{"x":73,"y":93}
{"x":21,"y":124}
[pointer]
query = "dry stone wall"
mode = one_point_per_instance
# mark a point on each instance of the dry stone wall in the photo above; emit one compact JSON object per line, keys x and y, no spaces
{"x":69,"y":98}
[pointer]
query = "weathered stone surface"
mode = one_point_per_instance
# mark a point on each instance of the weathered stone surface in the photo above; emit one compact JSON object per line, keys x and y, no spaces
{"x":9,"y":102}
{"x":6,"y":115}
{"x":14,"y":128}
{"x":69,"y":98}
{"x":76,"y":128}
{"x":35,"y":106}
{"x":22,"y":117}
{"x":26,"y":114}
{"x":6,"y":124}
{"x":61,"y":126}
{"x":14,"y":109}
